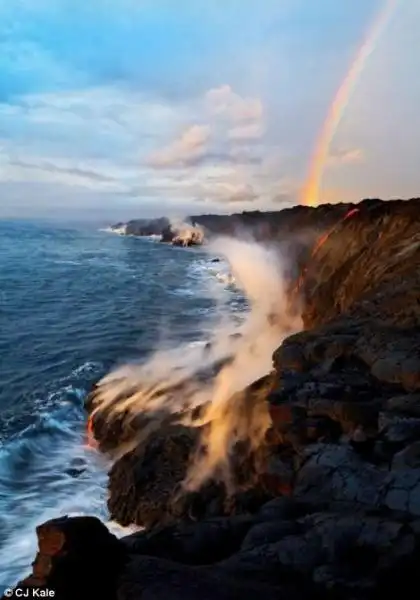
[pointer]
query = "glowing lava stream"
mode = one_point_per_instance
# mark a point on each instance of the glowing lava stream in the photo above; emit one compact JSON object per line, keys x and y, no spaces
{"x":310,"y":195}
{"x":91,"y":442}
{"x":321,"y":241}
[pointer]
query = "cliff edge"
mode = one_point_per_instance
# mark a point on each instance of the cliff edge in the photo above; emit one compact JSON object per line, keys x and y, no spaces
{"x":329,"y":505}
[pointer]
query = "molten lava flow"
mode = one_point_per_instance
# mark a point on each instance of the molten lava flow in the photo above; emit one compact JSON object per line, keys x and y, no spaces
{"x":325,"y":237}
{"x":91,"y":442}
{"x":351,"y":212}
{"x":321,"y":241}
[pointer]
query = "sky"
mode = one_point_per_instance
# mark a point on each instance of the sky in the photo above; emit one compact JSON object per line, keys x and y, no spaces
{"x":114,"y":109}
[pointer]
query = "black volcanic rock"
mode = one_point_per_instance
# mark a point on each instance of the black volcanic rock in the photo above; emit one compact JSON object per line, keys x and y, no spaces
{"x":77,"y":558}
{"x":144,"y":481}
{"x":144,"y":485}
{"x":341,"y":459}
{"x":167,"y":235}
{"x":143,"y":227}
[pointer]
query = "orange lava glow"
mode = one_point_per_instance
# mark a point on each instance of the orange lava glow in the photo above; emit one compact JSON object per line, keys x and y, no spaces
{"x":321,"y":241}
{"x":325,"y":237}
{"x":91,"y":442}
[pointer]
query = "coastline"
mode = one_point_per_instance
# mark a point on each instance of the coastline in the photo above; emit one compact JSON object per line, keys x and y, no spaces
{"x":340,"y":450}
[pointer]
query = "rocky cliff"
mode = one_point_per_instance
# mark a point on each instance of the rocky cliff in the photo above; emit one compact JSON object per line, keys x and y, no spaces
{"x":261,"y":225}
{"x":329,"y":505}
{"x":142,"y":227}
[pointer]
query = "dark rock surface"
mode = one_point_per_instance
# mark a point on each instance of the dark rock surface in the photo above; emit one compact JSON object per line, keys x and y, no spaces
{"x":330,"y":508}
{"x":143,"y":227}
{"x":161,"y":227}
{"x":151,"y":473}
{"x":306,"y":223}
{"x":77,"y":558}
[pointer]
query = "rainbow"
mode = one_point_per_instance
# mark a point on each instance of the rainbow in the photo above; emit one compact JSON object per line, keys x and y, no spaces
{"x":310,"y":195}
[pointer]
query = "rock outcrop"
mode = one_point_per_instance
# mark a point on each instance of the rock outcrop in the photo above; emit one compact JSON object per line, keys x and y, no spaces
{"x":77,"y":558}
{"x":142,"y":227}
{"x":306,"y":224}
{"x":182,"y":234}
{"x":330,"y":507}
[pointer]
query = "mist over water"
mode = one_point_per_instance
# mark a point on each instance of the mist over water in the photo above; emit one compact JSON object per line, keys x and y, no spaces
{"x":175,"y":382}
{"x":74,"y":304}
{"x":157,"y":325}
{"x":187,"y":232}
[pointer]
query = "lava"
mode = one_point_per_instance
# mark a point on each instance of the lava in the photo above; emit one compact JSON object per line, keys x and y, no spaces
{"x":91,"y":442}
{"x":326,"y":235}
{"x":321,"y":241}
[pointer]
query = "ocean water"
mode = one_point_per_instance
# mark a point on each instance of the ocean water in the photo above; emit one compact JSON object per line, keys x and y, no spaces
{"x":74,"y":303}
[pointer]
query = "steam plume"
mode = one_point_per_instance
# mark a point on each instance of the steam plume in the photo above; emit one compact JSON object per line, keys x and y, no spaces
{"x":187,"y":233}
{"x":214,"y":377}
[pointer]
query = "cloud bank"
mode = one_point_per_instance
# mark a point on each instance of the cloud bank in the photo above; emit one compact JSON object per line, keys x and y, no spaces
{"x":129,"y":108}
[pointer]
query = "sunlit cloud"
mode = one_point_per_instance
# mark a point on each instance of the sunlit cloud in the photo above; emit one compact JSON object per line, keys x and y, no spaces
{"x":224,"y":101}
{"x":191,"y":145}
{"x":156,"y":106}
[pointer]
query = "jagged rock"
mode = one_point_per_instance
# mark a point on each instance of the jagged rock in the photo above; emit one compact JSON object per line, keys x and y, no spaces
{"x":342,"y":449}
{"x":194,"y":543}
{"x":149,"y":578}
{"x":144,"y":482}
{"x":345,"y":554}
{"x":293,"y":552}
{"x":145,"y":488}
{"x":307,"y":558}
{"x":409,"y":458}
{"x":282,"y":508}
{"x":337,"y":473}
{"x":268,"y":532}
{"x":77,"y":558}
{"x":142,"y":227}
{"x":408,"y":404}
{"x":395,"y":428}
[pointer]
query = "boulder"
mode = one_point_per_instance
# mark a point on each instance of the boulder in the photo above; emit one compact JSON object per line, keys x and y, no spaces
{"x":144,"y":483}
{"x":77,"y":558}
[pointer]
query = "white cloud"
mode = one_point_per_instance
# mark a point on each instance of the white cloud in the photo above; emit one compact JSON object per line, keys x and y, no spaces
{"x":115,"y":141}
{"x":345,"y":156}
{"x":251,"y":131}
{"x":235,"y":192}
{"x":191,"y":145}
{"x":226,"y":158}
{"x":98,"y":176}
{"x":224,"y":101}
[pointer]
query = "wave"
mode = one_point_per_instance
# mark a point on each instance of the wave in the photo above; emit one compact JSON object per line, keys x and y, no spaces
{"x":226,"y":278}
{"x":48,"y":470}
{"x":116,"y":230}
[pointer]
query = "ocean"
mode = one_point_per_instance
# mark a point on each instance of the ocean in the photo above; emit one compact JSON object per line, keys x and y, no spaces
{"x":74,"y":304}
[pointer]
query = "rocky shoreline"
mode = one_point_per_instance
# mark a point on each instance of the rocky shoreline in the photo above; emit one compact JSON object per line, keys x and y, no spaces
{"x":329,"y":505}
{"x":178,"y":234}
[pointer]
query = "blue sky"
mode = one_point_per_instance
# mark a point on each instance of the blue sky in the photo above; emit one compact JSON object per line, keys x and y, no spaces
{"x":119,"y":108}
